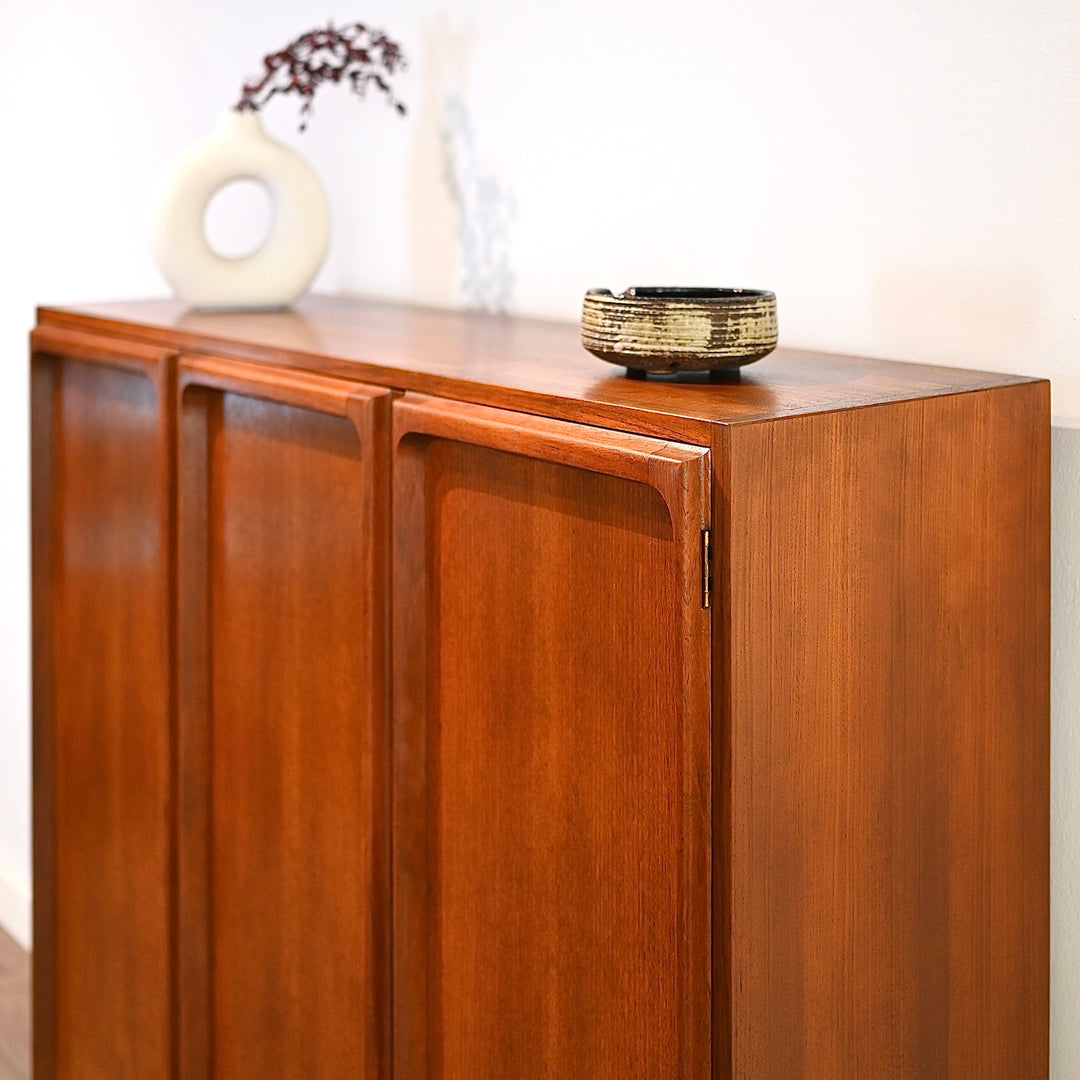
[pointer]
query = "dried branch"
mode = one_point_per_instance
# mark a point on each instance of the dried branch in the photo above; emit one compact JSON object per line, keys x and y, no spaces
{"x":354,"y":54}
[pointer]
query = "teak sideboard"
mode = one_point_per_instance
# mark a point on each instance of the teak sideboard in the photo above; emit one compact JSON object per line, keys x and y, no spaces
{"x":416,"y":695}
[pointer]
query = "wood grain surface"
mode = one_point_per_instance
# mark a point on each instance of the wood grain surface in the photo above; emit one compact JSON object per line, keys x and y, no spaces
{"x":551,"y":716}
{"x":379,"y":727}
{"x":285,"y":835}
{"x":532,"y":365}
{"x":103,"y":731}
{"x":888,"y":596}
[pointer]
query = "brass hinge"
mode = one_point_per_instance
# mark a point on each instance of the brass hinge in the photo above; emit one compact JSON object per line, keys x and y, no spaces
{"x":706,"y":567}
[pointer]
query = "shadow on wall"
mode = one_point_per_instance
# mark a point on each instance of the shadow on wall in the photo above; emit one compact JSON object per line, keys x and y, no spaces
{"x":458,"y":211}
{"x":1065,"y":756}
{"x":978,"y":314}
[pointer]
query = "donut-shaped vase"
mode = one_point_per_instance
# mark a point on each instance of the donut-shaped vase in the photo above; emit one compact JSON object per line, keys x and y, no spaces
{"x":282,"y":268}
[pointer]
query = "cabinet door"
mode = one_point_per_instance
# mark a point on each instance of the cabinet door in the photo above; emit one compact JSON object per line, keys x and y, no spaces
{"x":552,"y":783}
{"x":284,"y":860}
{"x":102,"y":461}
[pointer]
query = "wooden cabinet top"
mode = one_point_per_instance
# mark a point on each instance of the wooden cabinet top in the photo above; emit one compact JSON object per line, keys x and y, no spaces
{"x":531,"y":365}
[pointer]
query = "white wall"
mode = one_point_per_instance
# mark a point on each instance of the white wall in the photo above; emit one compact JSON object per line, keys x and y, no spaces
{"x":905,"y":177}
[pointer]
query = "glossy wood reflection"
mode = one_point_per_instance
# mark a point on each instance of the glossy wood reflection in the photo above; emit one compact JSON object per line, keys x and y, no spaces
{"x":532,"y":365}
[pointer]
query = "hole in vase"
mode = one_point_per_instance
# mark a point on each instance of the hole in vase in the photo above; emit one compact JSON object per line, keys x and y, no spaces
{"x":238,"y":218}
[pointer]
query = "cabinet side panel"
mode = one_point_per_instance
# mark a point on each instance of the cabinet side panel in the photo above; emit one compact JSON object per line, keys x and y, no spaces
{"x":102,"y":728}
{"x":889,"y":588}
{"x":297,"y":858}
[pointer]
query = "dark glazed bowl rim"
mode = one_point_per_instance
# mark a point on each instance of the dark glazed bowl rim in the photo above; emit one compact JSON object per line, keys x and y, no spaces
{"x":692,"y":293}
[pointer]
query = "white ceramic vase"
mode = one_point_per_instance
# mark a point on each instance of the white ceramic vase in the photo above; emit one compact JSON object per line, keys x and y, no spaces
{"x":283,"y":267}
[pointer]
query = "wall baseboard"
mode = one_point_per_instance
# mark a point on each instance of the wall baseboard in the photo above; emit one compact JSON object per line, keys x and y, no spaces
{"x":15,"y":905}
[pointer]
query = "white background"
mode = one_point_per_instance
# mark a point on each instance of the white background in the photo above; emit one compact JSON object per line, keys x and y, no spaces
{"x":906,"y":177}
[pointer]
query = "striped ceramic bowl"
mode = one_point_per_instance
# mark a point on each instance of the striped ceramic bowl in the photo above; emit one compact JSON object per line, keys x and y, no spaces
{"x":666,"y":328}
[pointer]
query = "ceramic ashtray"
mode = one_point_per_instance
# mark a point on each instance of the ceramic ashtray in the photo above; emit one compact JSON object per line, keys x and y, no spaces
{"x":665,"y":328}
